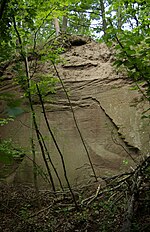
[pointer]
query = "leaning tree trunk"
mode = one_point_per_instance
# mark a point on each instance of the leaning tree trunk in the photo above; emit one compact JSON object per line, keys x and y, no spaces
{"x":57,"y":27}
{"x":64,"y":24}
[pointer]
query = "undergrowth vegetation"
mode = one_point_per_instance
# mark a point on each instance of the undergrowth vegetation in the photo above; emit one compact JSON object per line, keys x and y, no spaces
{"x":121,"y":205}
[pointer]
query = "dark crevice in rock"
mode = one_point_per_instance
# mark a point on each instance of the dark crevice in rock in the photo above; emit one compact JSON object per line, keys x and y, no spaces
{"x":80,"y":66}
{"x":77,"y":42}
{"x":64,"y":105}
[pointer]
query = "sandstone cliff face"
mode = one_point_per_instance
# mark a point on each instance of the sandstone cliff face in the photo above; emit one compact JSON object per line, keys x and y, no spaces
{"x":107,"y":112}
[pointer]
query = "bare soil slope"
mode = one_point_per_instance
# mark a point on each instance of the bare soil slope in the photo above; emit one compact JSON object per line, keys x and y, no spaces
{"x":107,"y":112}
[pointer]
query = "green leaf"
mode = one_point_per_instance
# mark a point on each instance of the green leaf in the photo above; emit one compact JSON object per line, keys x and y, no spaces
{"x":8,"y":153}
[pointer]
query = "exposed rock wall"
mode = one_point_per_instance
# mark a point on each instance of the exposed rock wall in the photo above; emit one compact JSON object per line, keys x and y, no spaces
{"x":107,"y":112}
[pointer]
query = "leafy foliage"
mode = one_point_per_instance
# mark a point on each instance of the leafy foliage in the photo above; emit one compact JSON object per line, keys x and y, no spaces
{"x":8,"y":153}
{"x":132,"y":41}
{"x":4,"y":121}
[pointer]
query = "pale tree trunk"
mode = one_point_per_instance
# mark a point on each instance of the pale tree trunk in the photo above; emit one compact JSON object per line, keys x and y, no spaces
{"x":64,"y":24}
{"x":104,"y":23}
{"x":57,"y":27}
{"x":119,"y":19}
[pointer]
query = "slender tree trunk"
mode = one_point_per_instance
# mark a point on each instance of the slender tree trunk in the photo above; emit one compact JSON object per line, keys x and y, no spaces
{"x":27,"y":71}
{"x":119,"y":19}
{"x":35,"y":174}
{"x":57,"y":147}
{"x":64,"y":24}
{"x":2,"y":7}
{"x":35,"y":124}
{"x":104,"y":23}
{"x":80,"y":134}
{"x":57,"y":27}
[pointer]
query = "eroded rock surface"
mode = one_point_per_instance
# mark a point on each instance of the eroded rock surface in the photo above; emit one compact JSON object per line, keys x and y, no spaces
{"x":106,"y":110}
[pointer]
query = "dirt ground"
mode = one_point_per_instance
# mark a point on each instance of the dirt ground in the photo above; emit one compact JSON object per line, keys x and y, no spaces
{"x":22,"y":209}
